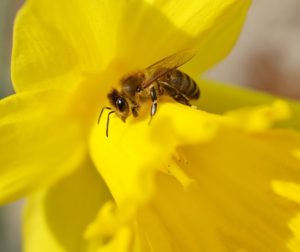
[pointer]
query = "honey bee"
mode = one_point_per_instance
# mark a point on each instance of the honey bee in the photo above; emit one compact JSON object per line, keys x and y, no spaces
{"x":161,"y":78}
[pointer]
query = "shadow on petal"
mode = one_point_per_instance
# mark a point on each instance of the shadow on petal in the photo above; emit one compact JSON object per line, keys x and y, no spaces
{"x":55,"y":219}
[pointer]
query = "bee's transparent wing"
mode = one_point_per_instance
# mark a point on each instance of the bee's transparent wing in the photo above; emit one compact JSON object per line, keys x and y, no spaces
{"x":167,"y":64}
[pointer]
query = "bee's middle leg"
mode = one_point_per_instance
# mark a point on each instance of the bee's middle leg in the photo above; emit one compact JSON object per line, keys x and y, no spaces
{"x":153,"y":96}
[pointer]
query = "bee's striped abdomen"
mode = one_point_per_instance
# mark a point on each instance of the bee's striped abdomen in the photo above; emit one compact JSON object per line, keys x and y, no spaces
{"x":183,"y":84}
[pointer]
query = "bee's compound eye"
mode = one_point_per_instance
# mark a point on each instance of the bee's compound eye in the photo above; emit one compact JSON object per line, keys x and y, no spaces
{"x":121,"y":104}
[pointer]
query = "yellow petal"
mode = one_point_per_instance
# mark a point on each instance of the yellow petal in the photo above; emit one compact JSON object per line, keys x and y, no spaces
{"x":220,"y":97}
{"x":55,"y":43}
{"x":37,"y":144}
{"x":213,"y":189}
{"x":156,"y":29}
{"x":41,"y":57}
{"x":260,"y":119}
{"x":55,"y":218}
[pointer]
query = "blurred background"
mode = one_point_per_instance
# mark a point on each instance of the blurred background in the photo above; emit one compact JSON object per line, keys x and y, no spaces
{"x":266,"y":57}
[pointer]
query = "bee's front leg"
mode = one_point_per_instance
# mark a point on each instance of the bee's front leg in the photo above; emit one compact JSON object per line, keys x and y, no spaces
{"x":135,"y":111}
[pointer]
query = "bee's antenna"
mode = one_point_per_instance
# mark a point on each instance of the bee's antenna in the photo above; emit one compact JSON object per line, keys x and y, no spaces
{"x":109,"y":108}
{"x":107,"y":122}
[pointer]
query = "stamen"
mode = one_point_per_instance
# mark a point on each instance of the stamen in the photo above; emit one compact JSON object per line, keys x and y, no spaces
{"x":180,"y":157}
{"x":175,"y":170}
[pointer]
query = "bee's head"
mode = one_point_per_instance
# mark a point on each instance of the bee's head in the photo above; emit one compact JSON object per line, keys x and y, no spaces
{"x":119,"y":103}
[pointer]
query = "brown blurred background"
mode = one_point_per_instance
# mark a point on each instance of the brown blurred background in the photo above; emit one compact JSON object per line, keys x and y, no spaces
{"x":267,"y":57}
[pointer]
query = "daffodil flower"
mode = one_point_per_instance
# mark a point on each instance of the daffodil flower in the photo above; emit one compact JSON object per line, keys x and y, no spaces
{"x":221,"y":177}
